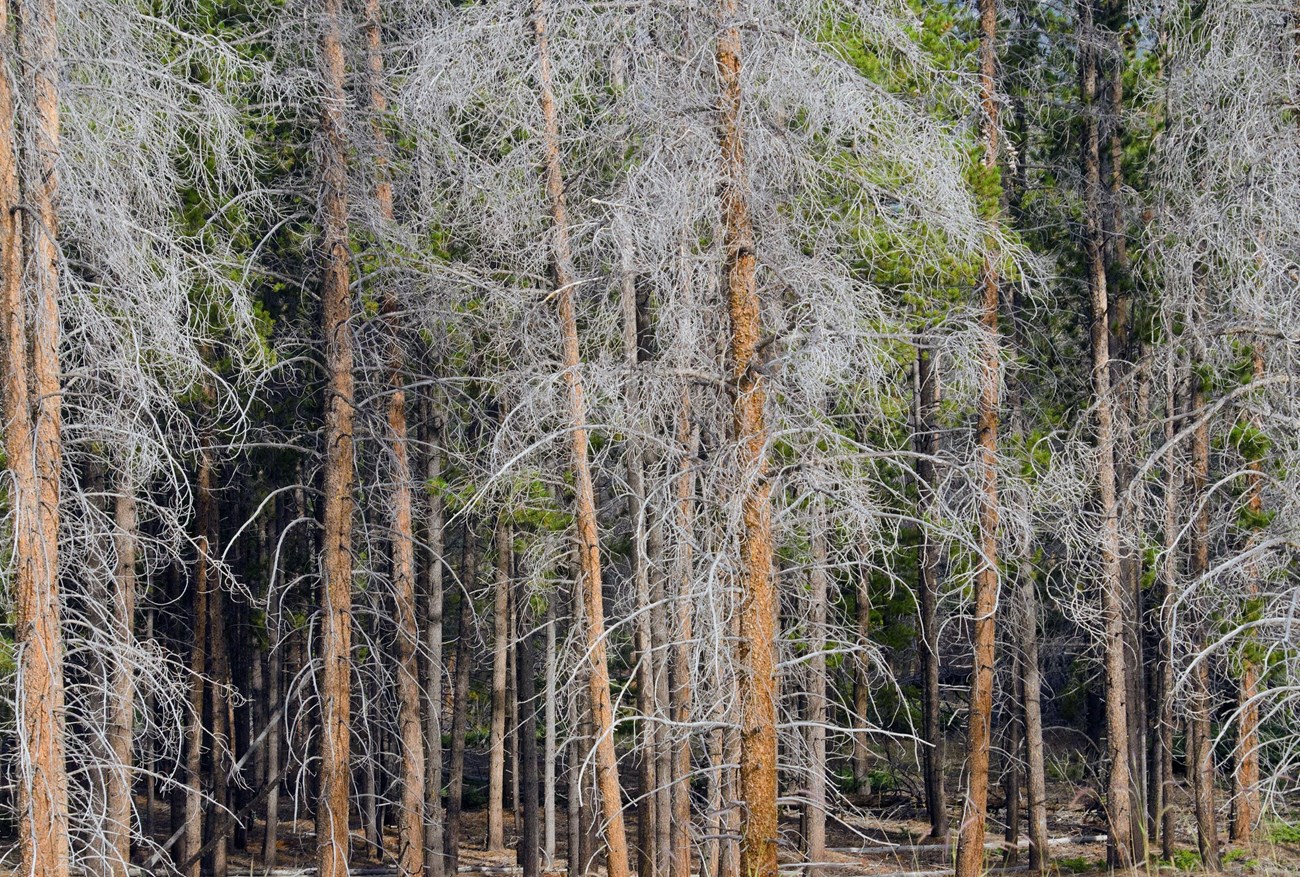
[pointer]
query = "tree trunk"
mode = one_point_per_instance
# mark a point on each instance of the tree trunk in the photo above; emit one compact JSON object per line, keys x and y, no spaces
{"x":200,"y":595}
{"x":926,"y":393}
{"x":121,"y":705}
{"x":1200,"y":743}
{"x":272,"y":746}
{"x":688,"y":438}
{"x":861,"y":677}
{"x":433,"y":670}
{"x":335,"y":647}
{"x":460,"y":708}
{"x":586,"y":532}
{"x":1245,"y":775}
{"x":496,"y":839}
{"x":970,"y":845}
{"x":1167,"y":583}
{"x":410,"y":737}
{"x":216,"y":862}
{"x":549,"y":756}
{"x":1122,"y":851}
{"x":815,"y":808}
{"x":529,"y":847}
{"x":756,"y":645}
{"x":32,"y":433}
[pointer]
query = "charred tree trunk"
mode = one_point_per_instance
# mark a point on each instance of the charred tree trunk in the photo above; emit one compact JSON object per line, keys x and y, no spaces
{"x":926,"y":393}
{"x":200,"y":595}
{"x":460,"y":701}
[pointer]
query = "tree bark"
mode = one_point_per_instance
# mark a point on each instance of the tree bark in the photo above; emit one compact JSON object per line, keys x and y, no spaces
{"x":550,"y":755}
{"x":586,"y":530}
{"x":33,"y":432}
{"x":433,"y":669}
{"x":335,"y":648}
{"x":200,"y":594}
{"x":216,"y":862}
{"x":756,"y":645}
{"x":970,"y":845}
{"x":410,"y":739}
{"x":926,"y":393}
{"x":815,"y":808}
{"x":460,"y":708}
{"x":688,"y":438}
{"x":496,"y":839}
{"x":529,"y":848}
{"x":1200,"y":744}
{"x":1122,"y":850}
{"x":1245,"y":776}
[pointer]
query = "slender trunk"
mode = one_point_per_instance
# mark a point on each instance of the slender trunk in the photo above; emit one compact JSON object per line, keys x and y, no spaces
{"x":648,"y":815}
{"x":549,"y":755}
{"x":1168,"y":583}
{"x":1032,"y":686}
{"x":688,"y":437}
{"x":275,"y":669}
{"x":926,"y":393}
{"x":433,"y":671}
{"x":410,"y":739}
{"x":711,"y":857}
{"x":529,"y":848}
{"x":1013,"y":738}
{"x":335,"y":647}
{"x":815,"y":808}
{"x":216,"y":862}
{"x":586,"y":531}
{"x":121,"y":703}
{"x":1245,"y":775}
{"x":1119,"y":810}
{"x":861,"y":677}
{"x":199,"y":612}
{"x":32,"y":434}
{"x":756,"y":645}
{"x":496,"y":839}
{"x":1200,"y":743}
{"x":460,"y":708}
{"x":970,"y":845}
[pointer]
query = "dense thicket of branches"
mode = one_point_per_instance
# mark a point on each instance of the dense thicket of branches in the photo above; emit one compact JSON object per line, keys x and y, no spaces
{"x":686,"y":423}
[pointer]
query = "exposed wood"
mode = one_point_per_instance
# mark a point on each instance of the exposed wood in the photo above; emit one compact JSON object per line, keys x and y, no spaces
{"x":756,"y":645}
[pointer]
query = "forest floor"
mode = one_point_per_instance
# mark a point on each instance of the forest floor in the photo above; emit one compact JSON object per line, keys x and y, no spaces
{"x":886,"y":837}
{"x":882,"y":835}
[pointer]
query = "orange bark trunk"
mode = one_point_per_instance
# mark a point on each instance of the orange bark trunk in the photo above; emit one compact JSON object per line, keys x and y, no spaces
{"x":410,"y":816}
{"x":755,"y":649}
{"x":586,"y":531}
{"x":33,"y":441}
{"x":970,"y":845}
{"x":332,"y":844}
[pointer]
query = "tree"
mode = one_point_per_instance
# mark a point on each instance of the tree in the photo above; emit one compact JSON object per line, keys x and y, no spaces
{"x":332,"y":837}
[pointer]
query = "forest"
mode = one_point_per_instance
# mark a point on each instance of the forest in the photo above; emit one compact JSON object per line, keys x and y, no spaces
{"x":690,"y":438}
